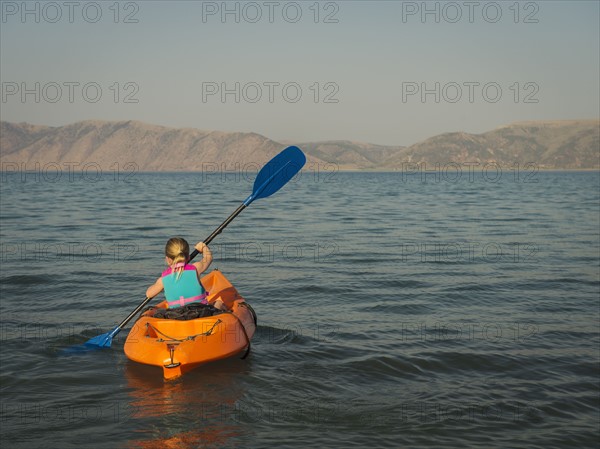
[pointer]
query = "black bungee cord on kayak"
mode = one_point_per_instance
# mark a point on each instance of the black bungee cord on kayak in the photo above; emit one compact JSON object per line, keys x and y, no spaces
{"x":189,"y":337}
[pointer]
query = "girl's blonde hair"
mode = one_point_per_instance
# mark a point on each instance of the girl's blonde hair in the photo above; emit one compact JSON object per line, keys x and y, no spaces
{"x":178,"y":250}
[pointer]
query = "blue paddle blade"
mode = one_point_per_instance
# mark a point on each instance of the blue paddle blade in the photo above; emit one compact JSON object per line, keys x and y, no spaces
{"x":104,"y":340}
{"x":276,"y":173}
{"x":98,"y":342}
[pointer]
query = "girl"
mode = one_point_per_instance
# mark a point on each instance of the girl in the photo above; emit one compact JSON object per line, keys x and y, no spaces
{"x":181,"y":281}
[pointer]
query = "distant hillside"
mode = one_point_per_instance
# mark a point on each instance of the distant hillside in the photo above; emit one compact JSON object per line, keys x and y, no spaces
{"x":152,"y":148}
{"x":350,"y":155}
{"x":556,"y":144}
{"x":560,"y":144}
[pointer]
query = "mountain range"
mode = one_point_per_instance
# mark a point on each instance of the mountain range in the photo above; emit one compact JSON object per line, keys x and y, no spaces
{"x":568,"y":144}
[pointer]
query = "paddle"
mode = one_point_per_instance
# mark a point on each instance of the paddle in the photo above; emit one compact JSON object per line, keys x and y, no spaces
{"x":272,"y":177}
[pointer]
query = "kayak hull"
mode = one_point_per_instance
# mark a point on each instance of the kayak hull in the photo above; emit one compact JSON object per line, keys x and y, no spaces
{"x":179,"y":346}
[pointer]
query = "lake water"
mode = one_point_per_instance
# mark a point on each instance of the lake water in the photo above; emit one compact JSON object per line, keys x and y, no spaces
{"x":394,"y":309}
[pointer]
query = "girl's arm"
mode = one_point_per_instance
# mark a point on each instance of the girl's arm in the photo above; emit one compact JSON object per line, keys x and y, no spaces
{"x":206,"y":257}
{"x":155,"y":289}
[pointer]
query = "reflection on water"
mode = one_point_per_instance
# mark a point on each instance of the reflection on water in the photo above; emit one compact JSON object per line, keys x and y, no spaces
{"x":190,"y":412}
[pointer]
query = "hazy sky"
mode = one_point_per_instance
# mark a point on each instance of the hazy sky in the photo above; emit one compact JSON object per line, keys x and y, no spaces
{"x":380,"y":72}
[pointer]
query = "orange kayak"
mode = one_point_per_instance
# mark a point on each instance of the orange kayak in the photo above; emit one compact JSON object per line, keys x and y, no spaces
{"x":177,"y":346}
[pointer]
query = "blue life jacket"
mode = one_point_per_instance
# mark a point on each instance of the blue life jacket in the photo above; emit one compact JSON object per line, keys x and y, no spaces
{"x":182,"y":286}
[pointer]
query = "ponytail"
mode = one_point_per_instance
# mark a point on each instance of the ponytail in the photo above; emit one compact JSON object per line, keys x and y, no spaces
{"x":178,"y":250}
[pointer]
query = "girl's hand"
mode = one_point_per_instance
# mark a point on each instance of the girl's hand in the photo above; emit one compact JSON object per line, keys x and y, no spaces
{"x":206,"y":257}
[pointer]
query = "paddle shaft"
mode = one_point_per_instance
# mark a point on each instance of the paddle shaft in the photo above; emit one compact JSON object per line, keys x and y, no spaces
{"x":220,"y":228}
{"x":254,"y":195}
